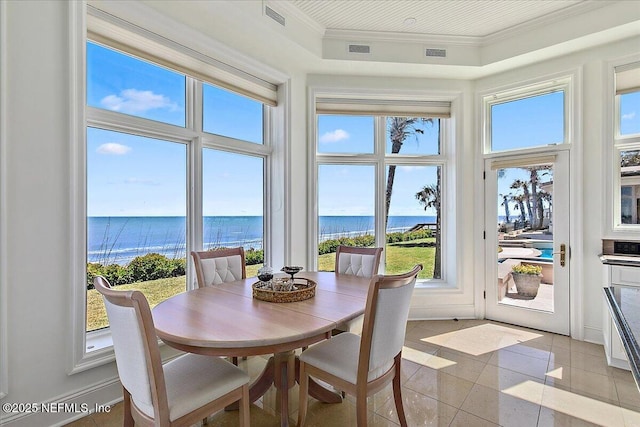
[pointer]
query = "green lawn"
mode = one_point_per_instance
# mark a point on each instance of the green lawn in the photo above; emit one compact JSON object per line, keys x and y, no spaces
{"x":401,"y":257}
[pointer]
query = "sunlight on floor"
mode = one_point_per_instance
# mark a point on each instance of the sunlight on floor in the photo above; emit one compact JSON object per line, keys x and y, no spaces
{"x":481,"y":339}
{"x":585,"y":408}
{"x":425,"y":359}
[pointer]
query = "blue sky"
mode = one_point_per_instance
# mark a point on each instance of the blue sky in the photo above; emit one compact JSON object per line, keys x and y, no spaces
{"x":131,"y":176}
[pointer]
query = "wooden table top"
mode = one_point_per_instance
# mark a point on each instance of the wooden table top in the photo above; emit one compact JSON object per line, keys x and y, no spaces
{"x":225,"y":319}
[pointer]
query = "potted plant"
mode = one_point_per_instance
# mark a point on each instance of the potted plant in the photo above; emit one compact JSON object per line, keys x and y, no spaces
{"x":527,"y":279}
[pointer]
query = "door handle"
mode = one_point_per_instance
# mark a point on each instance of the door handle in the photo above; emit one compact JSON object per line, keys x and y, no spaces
{"x":563,"y":252}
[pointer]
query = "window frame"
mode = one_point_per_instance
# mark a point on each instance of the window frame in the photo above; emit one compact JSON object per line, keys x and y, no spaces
{"x":272,"y":151}
{"x":524,"y":91}
{"x":447,"y":159}
{"x":615,"y":143}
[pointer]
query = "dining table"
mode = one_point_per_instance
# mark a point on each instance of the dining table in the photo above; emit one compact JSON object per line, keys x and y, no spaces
{"x":226,"y":320}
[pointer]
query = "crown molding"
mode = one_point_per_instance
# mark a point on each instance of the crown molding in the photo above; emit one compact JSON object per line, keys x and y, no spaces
{"x":289,"y":9}
{"x":543,"y":21}
{"x":395,"y":37}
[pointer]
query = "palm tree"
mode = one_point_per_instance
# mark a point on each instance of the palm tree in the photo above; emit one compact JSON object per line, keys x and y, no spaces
{"x":399,"y":129}
{"x":505,"y":203}
{"x":519,"y":199}
{"x":429,"y":196}
{"x":520,"y":184}
{"x":534,"y":179}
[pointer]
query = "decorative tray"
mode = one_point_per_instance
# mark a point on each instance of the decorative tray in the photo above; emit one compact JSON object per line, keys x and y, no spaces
{"x":302,"y":289}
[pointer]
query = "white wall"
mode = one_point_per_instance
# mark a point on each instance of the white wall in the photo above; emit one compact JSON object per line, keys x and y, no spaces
{"x":37,"y":200}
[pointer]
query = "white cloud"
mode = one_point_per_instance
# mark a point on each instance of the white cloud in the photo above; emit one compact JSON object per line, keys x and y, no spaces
{"x":334,"y":136}
{"x":113,"y":148}
{"x":630,"y":116}
{"x":410,"y":168}
{"x":136,"y":101}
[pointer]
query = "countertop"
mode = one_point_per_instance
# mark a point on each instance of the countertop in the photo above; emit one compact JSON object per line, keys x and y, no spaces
{"x":625,"y":260}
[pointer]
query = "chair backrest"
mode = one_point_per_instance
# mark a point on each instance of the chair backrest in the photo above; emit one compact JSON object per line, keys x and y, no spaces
{"x":357,"y":261}
{"x":136,"y":347}
{"x":219,"y":266}
{"x":385,"y":322}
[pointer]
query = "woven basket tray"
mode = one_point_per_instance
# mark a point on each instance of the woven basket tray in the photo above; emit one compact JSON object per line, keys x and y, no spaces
{"x":305,"y":289}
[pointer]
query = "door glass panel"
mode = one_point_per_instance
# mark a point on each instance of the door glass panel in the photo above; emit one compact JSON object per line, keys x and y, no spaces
{"x":346,"y":203}
{"x":525,"y":237}
{"x":233,"y":204}
{"x":136,"y":209}
{"x":413,"y":223}
{"x":528,"y":122}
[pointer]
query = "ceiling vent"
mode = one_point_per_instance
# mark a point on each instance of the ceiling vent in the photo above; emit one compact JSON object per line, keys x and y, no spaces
{"x":274,"y":15}
{"x":359,"y":48}
{"x":438,"y":53}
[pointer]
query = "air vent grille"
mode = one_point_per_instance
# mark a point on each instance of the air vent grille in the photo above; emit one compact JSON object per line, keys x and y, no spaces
{"x":439,"y":53}
{"x":274,"y":15}
{"x":359,"y":48}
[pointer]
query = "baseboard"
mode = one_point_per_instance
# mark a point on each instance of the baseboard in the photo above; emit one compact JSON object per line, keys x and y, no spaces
{"x":70,"y":407}
{"x":442,"y":312}
{"x":593,"y":335}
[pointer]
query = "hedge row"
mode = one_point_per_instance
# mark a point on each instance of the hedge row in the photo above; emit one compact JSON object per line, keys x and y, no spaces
{"x":151,"y":267}
{"x":155,"y":266}
{"x":330,"y":246}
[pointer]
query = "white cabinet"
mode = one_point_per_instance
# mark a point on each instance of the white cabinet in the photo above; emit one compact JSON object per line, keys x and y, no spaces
{"x":617,"y":275}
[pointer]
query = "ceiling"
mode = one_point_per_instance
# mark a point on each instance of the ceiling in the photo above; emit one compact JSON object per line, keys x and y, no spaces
{"x":472,"y":38}
{"x":466,"y":18}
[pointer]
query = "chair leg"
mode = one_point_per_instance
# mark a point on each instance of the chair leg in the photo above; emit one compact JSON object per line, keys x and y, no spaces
{"x":244,"y":407}
{"x":234,"y":360}
{"x":128,"y":418}
{"x":397,"y":393}
{"x":361,"y":409}
{"x":304,"y":395}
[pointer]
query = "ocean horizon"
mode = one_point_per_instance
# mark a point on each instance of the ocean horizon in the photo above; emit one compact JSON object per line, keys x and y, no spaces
{"x":119,"y":239}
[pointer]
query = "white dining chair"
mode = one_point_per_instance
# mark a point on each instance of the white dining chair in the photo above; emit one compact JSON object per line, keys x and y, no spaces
{"x":181,"y":392}
{"x":219,"y":266}
{"x":356,"y":261}
{"x":363,"y":365}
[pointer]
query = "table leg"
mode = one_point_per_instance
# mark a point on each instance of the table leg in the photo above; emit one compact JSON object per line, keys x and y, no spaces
{"x":284,"y":380}
{"x":283,"y":371}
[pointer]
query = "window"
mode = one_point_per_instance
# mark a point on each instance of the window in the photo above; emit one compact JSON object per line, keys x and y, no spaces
{"x":528,"y":117}
{"x":164,"y":174}
{"x":627,"y":145}
{"x":380,"y":178}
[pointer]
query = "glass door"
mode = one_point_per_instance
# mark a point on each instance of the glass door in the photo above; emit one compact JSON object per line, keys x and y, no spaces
{"x":527,"y":241}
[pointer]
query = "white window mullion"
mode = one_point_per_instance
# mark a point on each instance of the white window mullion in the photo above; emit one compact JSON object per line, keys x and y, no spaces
{"x":380,"y":187}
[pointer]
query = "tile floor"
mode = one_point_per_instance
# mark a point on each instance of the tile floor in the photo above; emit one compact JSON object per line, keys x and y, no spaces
{"x":473,"y":373}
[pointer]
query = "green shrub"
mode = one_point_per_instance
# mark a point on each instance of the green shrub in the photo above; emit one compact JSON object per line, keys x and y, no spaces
{"x":150,"y":267}
{"x":253,"y":256}
{"x":178,"y":267}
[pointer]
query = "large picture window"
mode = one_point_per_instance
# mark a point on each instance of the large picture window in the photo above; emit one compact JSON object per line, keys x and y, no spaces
{"x":380,"y":183}
{"x":144,"y":154}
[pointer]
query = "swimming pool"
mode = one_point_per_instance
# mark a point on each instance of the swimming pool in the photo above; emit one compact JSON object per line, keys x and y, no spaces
{"x":546,"y":253}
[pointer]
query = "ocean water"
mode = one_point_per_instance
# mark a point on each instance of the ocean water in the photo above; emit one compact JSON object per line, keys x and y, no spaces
{"x":120,"y":239}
